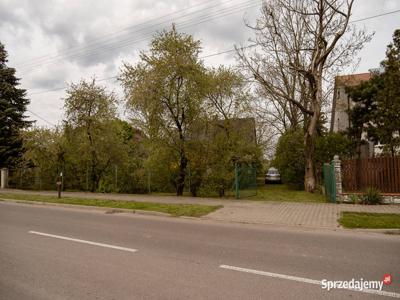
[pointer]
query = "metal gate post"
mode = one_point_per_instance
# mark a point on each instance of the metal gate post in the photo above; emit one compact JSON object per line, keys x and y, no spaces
{"x":237,"y":181}
{"x":332,"y":179}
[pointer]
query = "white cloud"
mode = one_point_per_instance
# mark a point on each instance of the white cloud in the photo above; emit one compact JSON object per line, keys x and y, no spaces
{"x":50,"y":30}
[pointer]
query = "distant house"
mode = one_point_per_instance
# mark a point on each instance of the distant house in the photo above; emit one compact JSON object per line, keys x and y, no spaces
{"x":243,"y":127}
{"x":341,"y":104}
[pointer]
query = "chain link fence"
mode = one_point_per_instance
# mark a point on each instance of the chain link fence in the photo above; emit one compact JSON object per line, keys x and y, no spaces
{"x":31,"y":178}
{"x":245,"y":181}
{"x":241,"y":183}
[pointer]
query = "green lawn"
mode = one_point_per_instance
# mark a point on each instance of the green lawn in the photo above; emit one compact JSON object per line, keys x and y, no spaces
{"x":369,"y":220}
{"x":191,"y":210}
{"x":265,"y":192}
{"x":281,"y":192}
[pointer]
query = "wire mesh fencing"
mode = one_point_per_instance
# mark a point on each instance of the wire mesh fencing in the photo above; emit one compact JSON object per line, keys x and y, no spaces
{"x":241,"y":182}
{"x":245,"y":184}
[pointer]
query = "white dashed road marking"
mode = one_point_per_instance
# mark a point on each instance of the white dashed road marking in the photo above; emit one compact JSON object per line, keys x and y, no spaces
{"x":305,"y":280}
{"x":83,"y":241}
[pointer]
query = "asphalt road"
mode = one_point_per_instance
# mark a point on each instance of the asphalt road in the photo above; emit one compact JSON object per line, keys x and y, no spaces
{"x":60,"y":253}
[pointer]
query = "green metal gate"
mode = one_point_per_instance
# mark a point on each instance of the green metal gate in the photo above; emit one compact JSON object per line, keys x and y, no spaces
{"x":245,"y":184}
{"x":330,"y":181}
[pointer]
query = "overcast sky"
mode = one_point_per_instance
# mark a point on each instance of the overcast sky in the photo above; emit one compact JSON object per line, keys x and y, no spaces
{"x":52,"y":43}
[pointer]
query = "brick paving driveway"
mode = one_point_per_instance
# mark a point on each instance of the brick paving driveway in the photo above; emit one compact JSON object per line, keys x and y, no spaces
{"x":316,"y":215}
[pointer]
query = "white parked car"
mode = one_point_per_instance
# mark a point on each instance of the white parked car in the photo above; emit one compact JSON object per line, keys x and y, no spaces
{"x":273,"y":176}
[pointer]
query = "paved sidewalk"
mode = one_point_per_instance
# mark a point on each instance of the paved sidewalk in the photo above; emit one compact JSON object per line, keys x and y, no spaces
{"x":314,"y":215}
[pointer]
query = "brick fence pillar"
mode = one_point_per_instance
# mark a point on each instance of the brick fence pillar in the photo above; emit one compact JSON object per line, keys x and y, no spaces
{"x":338,"y":177}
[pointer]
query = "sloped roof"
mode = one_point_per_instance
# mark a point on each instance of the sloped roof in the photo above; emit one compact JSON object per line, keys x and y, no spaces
{"x":353,"y":79}
{"x":245,"y":127}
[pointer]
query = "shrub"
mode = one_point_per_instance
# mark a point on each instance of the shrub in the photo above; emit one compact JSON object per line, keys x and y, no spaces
{"x":355,"y":199}
{"x":331,"y":144}
{"x":289,"y":158}
{"x":372,"y":196}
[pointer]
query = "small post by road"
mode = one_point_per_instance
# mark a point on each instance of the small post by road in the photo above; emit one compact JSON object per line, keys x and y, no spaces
{"x":116,"y":178}
{"x":4,"y":178}
{"x":59,"y":185}
{"x":190,"y":180}
{"x":237,"y":190}
{"x":149,"y":181}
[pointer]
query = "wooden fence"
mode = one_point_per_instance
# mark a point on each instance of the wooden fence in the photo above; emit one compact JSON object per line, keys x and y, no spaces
{"x":382,"y":173}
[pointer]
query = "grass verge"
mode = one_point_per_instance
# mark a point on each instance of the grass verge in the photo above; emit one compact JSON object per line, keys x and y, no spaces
{"x":369,"y":220}
{"x":190,"y":210}
{"x":282,"y":193}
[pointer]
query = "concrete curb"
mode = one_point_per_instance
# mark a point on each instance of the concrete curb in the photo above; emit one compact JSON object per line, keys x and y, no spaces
{"x":107,"y":210}
{"x":275,"y":224}
{"x":393,"y":231}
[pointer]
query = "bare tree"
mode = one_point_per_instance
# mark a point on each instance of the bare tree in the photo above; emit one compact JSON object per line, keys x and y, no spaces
{"x":300,"y":43}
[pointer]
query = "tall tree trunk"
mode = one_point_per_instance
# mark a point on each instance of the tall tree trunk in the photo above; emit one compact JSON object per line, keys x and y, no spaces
{"x":311,"y":132}
{"x":93,"y":174}
{"x":93,"y":160}
{"x":180,"y":184}
{"x":309,"y":150}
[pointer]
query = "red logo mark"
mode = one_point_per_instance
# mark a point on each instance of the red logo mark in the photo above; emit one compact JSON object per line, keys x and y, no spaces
{"x":387,"y":279}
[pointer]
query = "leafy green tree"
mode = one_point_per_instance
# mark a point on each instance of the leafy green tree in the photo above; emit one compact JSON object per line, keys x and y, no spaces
{"x":327,"y":146}
{"x":165,"y":92}
{"x":13,"y":103}
{"x":363,"y":96}
{"x":128,"y":174}
{"x":90,"y":110}
{"x":330,"y":144}
{"x":289,"y":158}
{"x":227,"y":94}
{"x":227,"y":101}
{"x":386,"y":118}
{"x":229,"y":141}
{"x":44,"y":154}
{"x":378,"y":103}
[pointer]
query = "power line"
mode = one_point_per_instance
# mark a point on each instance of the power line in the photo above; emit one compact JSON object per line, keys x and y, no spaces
{"x":231,"y":50}
{"x":111,"y":44}
{"x":147,"y":36}
{"x":115,"y":32}
{"x":376,"y":16}
{"x":184,"y":24}
{"x":62,"y":88}
{"x":211,"y":55}
{"x":228,"y":51}
{"x":40,"y":117}
{"x":112,"y":77}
